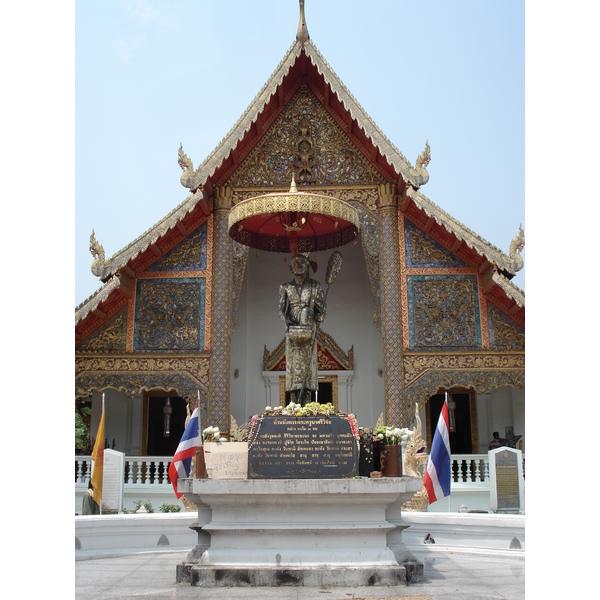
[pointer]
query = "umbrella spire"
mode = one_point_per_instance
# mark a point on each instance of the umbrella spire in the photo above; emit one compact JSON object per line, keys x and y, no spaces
{"x":293,"y":188}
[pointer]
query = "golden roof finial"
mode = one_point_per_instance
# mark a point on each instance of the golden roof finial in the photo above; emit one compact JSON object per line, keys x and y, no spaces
{"x":302,"y":34}
{"x":293,"y":188}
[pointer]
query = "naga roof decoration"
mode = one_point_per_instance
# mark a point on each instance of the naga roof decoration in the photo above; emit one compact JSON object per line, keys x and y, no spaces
{"x":198,"y":180}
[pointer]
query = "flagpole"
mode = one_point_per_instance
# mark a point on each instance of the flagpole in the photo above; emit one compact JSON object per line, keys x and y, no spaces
{"x":102,"y":442}
{"x":199,"y":415}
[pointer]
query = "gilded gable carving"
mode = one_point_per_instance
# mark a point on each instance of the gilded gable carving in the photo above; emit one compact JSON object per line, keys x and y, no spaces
{"x":187,"y":375}
{"x":422,"y":251}
{"x":170,"y":315}
{"x":109,"y":338}
{"x":306,"y":140}
{"x":443,"y":313}
{"x":505,"y":334}
{"x":189,"y":255}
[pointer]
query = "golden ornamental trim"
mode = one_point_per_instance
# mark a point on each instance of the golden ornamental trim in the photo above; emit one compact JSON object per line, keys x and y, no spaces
{"x":131,"y":363}
{"x":483,"y":372}
{"x":416,"y":364}
{"x":270,"y":204}
{"x":387,"y":195}
{"x":135,"y":374}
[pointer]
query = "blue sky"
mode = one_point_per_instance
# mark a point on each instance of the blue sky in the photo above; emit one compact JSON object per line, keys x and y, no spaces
{"x":151,"y":74}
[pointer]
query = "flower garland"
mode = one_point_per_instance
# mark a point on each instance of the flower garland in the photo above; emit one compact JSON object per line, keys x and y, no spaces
{"x":312,"y":409}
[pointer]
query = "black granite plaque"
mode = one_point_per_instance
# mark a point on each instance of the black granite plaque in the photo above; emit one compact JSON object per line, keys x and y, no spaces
{"x":285,"y":447}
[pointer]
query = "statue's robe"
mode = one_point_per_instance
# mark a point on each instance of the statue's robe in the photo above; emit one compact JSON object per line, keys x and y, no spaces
{"x":302,"y":307}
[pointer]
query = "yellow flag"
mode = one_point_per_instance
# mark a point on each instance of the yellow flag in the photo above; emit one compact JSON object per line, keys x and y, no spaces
{"x":98,"y":458}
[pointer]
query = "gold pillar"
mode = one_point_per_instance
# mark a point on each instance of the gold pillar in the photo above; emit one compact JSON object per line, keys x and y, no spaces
{"x":396,"y":412}
{"x":218,"y":394}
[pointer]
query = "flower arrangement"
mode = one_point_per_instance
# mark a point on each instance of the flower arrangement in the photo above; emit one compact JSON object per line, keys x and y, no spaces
{"x":392,"y":435}
{"x":293,"y":409}
{"x":212,"y":434}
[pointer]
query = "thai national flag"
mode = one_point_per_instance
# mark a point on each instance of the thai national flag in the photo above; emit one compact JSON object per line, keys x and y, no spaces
{"x":437,"y":475}
{"x":182,"y":461}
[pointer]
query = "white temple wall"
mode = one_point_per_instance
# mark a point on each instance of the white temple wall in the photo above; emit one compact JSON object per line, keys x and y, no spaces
{"x":123,"y":420}
{"x":500,"y":409}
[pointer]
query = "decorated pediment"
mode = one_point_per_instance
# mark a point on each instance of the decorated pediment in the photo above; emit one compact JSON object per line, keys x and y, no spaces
{"x":108,"y":338}
{"x":189,"y":255}
{"x":422,"y":251}
{"x":307,"y":141}
{"x":330,"y":357}
{"x":505,"y":334}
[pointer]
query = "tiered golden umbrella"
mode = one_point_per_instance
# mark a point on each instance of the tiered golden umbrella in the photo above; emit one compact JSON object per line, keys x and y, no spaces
{"x":293,"y":222}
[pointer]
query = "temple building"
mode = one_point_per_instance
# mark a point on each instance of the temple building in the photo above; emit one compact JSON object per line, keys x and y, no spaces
{"x":422,"y":308}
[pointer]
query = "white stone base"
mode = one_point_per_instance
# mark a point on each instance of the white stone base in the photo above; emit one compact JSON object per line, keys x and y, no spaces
{"x":307,"y":576}
{"x":299,"y":531}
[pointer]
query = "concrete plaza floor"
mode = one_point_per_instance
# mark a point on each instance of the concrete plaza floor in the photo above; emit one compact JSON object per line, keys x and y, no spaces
{"x":449,"y":574}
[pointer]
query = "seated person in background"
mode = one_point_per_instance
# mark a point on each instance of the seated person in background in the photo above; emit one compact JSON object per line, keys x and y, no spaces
{"x":495,"y":443}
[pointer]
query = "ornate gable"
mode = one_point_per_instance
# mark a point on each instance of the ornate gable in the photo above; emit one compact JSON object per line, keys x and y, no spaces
{"x":109,"y":338}
{"x":505,"y":334}
{"x":306,"y":140}
{"x":422,"y":251}
{"x":188,"y":255}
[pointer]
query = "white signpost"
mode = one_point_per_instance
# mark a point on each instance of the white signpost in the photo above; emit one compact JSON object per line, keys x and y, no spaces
{"x":507,"y":485}
{"x":112,"y":480}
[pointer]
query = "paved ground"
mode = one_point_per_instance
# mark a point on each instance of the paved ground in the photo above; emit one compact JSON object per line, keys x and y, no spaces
{"x":449,"y":574}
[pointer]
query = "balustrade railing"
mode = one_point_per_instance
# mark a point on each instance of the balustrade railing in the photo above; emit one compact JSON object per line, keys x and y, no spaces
{"x":153,"y":470}
{"x":472,"y":468}
{"x":139,"y":470}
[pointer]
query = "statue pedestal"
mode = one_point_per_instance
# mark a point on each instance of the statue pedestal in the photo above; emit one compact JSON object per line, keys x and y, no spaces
{"x":305,"y":532}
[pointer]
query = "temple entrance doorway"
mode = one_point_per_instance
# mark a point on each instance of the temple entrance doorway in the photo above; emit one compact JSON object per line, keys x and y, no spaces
{"x":464,"y":437}
{"x":325,"y":393}
{"x":328,"y":391}
{"x":161,"y":437}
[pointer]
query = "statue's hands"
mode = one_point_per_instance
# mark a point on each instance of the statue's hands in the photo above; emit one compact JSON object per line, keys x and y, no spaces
{"x":318,"y":316}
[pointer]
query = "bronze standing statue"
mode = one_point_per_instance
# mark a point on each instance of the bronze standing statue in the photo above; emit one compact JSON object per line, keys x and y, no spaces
{"x":302,"y":307}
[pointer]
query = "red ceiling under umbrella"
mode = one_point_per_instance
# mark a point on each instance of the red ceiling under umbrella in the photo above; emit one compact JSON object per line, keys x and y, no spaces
{"x":293,"y":222}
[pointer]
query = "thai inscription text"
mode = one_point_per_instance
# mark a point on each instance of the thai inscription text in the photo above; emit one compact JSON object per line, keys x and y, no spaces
{"x":308,"y":447}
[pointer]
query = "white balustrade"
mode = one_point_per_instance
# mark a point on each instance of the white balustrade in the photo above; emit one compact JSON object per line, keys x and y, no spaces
{"x":472,"y":468}
{"x":153,"y":470}
{"x":139,"y":470}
